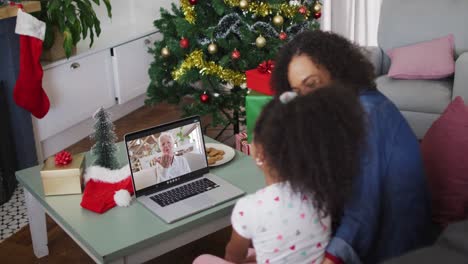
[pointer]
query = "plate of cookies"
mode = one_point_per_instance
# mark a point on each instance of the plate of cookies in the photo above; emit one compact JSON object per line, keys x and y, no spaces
{"x":218,"y":154}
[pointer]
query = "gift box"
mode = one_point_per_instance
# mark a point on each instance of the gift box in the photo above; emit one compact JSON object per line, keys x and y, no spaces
{"x":242,"y":144}
{"x":254,"y":103}
{"x":259,"y":79}
{"x":63,"y":179}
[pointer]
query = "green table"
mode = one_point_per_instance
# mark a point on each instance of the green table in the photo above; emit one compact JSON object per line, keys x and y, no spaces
{"x":132,"y":234}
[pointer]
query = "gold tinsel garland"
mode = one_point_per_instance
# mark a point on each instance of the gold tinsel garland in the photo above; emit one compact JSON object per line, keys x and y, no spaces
{"x":264,"y":9}
{"x":258,"y":8}
{"x":195,"y":60}
{"x":189,"y":11}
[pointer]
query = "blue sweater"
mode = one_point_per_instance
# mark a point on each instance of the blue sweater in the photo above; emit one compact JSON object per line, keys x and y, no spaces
{"x":388,"y":213}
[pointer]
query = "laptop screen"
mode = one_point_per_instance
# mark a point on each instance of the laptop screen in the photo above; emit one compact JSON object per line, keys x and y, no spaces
{"x":166,"y":155}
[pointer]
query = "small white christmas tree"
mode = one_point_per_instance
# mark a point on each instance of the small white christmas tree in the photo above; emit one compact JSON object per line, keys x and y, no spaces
{"x":104,"y":149}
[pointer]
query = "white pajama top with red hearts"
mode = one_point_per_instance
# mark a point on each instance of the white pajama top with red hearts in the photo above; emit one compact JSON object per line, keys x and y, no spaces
{"x":284,"y":226}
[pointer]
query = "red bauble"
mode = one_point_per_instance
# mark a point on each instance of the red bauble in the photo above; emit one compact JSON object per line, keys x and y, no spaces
{"x":302,"y":10}
{"x":283,"y":35}
{"x":317,"y":15}
{"x":235,"y":55}
{"x":204,"y":98}
{"x":193,"y":2}
{"x":184,"y":43}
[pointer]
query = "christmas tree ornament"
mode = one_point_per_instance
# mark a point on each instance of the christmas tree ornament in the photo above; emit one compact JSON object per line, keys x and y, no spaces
{"x":278,"y":20}
{"x":302,"y":10}
{"x":193,"y":2}
{"x":317,"y":7}
{"x":28,"y":92}
{"x":212,"y":48}
{"x":204,"y":98}
{"x":165,"y":52}
{"x":260,"y":42}
{"x":184,"y":43}
{"x":317,"y":15}
{"x":244,"y":4}
{"x":283,"y":35}
{"x":235,"y":55}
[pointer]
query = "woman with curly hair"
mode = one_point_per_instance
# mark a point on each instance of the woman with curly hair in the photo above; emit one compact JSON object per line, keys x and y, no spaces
{"x":388,"y":213}
{"x":289,"y":220}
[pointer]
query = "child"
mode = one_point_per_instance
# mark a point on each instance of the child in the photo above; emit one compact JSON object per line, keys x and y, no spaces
{"x":309,"y":169}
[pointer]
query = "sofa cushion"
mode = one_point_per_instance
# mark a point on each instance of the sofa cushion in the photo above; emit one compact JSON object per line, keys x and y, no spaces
{"x":427,"y":96}
{"x":417,"y":22}
{"x":426,"y":60}
{"x":444,"y":150}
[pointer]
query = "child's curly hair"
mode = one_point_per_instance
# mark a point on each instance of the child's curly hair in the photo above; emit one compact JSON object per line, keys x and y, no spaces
{"x":314,"y":143}
{"x":344,"y":61}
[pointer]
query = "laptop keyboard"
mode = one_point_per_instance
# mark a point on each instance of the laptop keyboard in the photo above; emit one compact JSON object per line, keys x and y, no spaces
{"x":184,"y":192}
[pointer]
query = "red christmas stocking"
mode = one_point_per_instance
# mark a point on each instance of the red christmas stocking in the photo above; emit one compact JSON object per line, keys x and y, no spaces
{"x":28,"y":92}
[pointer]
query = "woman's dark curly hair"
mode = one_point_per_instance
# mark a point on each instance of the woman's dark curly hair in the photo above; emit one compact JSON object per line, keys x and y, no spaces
{"x":314,"y":143}
{"x":344,"y":61}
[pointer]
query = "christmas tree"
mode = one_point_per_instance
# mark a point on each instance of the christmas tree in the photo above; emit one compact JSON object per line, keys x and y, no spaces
{"x":208,"y":45}
{"x":104,"y":149}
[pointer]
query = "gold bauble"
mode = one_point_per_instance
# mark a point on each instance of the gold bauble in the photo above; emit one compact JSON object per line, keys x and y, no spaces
{"x":243,"y":4}
{"x":317,"y":7}
{"x":165,"y":52}
{"x":278,"y":20}
{"x":260,"y":42}
{"x":212,"y":48}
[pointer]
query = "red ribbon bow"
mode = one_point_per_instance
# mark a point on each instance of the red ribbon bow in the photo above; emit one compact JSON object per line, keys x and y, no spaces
{"x":266,"y":66}
{"x":63,"y":158}
{"x":18,"y":5}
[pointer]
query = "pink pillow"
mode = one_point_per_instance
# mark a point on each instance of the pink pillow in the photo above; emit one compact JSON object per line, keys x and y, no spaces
{"x":445,"y":155}
{"x":426,"y":60}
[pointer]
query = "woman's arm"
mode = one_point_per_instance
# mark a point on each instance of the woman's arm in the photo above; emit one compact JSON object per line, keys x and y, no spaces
{"x":237,"y":248}
{"x":360,"y":222}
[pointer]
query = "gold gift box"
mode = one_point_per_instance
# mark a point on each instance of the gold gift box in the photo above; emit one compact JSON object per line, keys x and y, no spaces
{"x":68,"y":179}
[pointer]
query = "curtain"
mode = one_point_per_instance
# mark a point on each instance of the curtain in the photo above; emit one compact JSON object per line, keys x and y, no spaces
{"x":356,"y":20}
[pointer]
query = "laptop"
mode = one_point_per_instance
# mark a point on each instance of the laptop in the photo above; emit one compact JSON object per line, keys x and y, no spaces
{"x":170,"y":171}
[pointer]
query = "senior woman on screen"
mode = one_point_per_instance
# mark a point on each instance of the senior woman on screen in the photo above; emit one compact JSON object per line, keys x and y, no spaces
{"x":169,"y":166}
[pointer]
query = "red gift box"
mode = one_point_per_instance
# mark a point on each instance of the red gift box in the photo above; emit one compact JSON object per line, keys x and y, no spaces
{"x":242,"y":144}
{"x":259,"y":79}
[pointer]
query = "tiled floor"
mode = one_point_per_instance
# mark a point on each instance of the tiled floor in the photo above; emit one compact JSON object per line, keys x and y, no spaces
{"x":13,"y":214}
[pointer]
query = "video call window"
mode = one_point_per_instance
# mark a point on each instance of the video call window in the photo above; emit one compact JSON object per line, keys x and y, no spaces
{"x":163,"y":156}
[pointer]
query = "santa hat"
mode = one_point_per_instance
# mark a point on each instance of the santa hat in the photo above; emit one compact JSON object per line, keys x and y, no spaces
{"x":106,"y":188}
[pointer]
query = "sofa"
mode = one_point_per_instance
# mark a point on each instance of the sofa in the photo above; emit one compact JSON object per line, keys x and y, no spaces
{"x":451,"y":247}
{"x":405,"y":22}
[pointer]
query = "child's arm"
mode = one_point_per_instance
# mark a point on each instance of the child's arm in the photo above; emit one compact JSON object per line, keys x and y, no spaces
{"x":237,"y":248}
